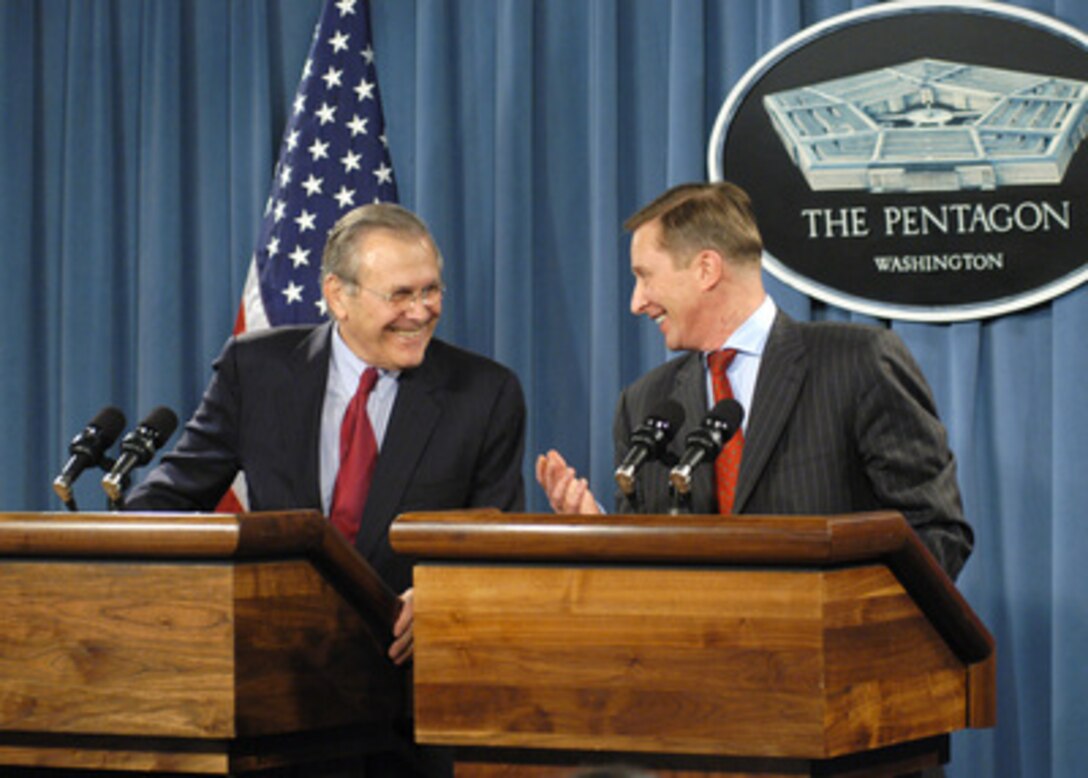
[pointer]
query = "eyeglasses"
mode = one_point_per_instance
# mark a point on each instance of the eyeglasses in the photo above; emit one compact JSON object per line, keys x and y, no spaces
{"x":406,"y":298}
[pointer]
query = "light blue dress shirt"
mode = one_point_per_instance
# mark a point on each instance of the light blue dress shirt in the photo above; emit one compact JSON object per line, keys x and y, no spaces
{"x":344,"y":371}
{"x":749,"y":340}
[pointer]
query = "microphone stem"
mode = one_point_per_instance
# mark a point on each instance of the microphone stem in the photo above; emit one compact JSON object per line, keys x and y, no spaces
{"x":679,"y":502}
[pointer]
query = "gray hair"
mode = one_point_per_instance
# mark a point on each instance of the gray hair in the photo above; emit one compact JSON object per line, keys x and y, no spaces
{"x":340,"y":258}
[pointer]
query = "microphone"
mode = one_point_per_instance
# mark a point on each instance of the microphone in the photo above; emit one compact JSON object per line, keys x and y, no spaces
{"x":88,"y":449}
{"x":138,"y":447}
{"x":648,"y":442}
{"x":706,"y":441}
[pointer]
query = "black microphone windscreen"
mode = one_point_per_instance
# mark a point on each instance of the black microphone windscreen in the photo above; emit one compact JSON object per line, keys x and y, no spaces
{"x":729,"y":411}
{"x":670,"y":412}
{"x":162,"y":420}
{"x":109,"y":421}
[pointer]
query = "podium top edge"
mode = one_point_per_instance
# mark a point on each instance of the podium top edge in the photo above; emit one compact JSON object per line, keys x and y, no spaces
{"x":763,"y":539}
{"x":159,"y":535}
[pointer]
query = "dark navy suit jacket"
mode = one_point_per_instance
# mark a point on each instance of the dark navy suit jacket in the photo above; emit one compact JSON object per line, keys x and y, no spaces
{"x":842,"y":420}
{"x":455,"y":438}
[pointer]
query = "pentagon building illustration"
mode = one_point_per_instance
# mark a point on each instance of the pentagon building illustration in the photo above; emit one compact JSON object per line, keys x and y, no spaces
{"x":931,"y":125}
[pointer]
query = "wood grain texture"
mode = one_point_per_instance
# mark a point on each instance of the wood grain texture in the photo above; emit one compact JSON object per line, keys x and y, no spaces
{"x":189,"y":643}
{"x":778,"y":541}
{"x":982,"y":681}
{"x":674,"y":660}
{"x":305,"y":658}
{"x":119,"y":648}
{"x":264,"y":535}
{"x":890,"y":678}
{"x":151,"y":759}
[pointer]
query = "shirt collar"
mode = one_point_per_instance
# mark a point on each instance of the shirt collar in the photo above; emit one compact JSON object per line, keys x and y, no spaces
{"x":347,"y":365}
{"x":751,"y":336}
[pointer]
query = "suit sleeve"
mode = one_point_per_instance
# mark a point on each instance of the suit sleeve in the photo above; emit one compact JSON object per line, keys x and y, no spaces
{"x":497,"y":479}
{"x":200,"y":469}
{"x":904,"y":448}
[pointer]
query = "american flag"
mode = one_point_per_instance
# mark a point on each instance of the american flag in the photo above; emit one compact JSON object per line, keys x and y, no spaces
{"x":333,"y":157}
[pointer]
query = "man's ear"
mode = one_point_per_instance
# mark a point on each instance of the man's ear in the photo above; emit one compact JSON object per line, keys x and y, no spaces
{"x":335,"y":289}
{"x":710,"y":268}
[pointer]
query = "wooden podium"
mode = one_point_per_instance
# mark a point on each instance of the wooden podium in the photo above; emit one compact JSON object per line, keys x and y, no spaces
{"x":190,"y":643}
{"x":690,"y":645}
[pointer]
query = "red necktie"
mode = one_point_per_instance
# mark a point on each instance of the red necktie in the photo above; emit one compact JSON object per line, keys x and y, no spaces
{"x":358,"y":453}
{"x":727,"y":465}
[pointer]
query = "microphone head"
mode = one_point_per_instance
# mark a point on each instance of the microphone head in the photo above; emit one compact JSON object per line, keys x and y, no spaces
{"x":706,"y":441}
{"x":721,"y":424}
{"x":659,"y":428}
{"x":88,"y":449}
{"x":109,"y":421}
{"x":99,"y":434}
{"x":649,"y":441}
{"x":161,"y":422}
{"x":151,"y":433}
{"x":728,"y":413}
{"x":138,"y":447}
{"x":667,"y":415}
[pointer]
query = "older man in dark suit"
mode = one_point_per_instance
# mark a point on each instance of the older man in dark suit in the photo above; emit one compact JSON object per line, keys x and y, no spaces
{"x":444,"y":427}
{"x":838,"y":416}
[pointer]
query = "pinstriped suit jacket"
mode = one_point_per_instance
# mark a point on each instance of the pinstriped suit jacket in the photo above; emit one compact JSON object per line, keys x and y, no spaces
{"x":842,"y":420}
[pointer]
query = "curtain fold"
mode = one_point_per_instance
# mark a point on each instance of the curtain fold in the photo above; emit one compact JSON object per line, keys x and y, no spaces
{"x":141,"y":136}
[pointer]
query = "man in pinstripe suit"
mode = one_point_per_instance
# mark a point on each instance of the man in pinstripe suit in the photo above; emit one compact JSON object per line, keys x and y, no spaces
{"x":838,"y":417}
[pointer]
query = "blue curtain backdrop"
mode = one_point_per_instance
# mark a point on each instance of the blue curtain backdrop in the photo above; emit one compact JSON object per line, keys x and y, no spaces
{"x":136,"y":146}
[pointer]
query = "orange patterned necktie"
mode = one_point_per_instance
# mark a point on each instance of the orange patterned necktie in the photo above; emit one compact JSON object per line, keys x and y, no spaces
{"x":358,"y":453}
{"x":727,"y":465}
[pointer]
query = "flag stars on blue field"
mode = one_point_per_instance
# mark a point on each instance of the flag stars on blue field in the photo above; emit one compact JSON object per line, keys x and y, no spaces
{"x":312,"y":185}
{"x":293,"y":293}
{"x":345,"y":197}
{"x":357,"y":125}
{"x":305,"y":221}
{"x":326,"y":114}
{"x":332,"y":78}
{"x":351,"y":161}
{"x":299,"y":257}
{"x":364,"y":89}
{"x":318,"y":150}
{"x":333,"y":157}
{"x":339,"y":42}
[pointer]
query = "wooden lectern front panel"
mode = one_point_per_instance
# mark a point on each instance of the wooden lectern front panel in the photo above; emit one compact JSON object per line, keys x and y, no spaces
{"x":184,"y":650}
{"x":776,"y":663}
{"x":119,"y":648}
{"x":604,"y":658}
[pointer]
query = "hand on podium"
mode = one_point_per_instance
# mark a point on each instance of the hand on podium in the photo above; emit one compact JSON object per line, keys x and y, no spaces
{"x":567,"y":493}
{"x":401,"y":649}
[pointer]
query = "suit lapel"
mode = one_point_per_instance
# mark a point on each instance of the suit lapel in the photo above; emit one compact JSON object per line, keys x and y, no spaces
{"x":306,"y":392}
{"x":690,"y":392}
{"x":416,"y":411}
{"x":782,"y":373}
